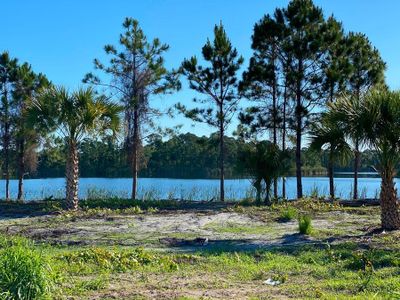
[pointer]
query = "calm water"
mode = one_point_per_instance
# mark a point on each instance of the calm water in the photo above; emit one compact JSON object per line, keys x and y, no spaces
{"x":190,"y":189}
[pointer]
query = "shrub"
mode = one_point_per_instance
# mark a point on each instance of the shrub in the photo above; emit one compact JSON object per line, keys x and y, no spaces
{"x":24,"y":274}
{"x":288,"y":214}
{"x":305,"y":226}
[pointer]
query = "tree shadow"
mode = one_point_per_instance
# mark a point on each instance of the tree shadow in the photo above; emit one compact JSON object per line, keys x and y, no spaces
{"x":15,"y":209}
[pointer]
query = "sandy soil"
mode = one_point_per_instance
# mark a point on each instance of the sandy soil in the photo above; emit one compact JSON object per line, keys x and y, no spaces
{"x":221,"y":228}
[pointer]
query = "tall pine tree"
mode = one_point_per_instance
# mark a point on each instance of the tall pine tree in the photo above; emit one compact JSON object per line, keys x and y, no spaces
{"x":136,"y":73}
{"x":218,"y":82}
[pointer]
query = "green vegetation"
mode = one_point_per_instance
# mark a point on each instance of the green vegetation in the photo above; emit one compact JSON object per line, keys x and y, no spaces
{"x":181,"y":156}
{"x":218,"y":84}
{"x":136,"y":74}
{"x":264,"y":163}
{"x":24,"y":272}
{"x":288,"y":214}
{"x":74,"y":116}
{"x":305,"y":226}
{"x":95,"y":255}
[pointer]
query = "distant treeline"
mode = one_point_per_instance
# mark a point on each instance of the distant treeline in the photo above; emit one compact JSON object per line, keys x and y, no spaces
{"x":182,"y":156}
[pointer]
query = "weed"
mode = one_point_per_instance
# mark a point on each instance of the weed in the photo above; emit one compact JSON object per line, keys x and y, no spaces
{"x":288,"y":214}
{"x":118,"y":261}
{"x":305,"y":226}
{"x":24,"y":273}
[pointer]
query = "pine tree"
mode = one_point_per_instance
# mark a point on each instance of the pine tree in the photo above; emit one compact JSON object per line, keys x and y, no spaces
{"x":8,"y":67}
{"x":264,"y":82}
{"x":26,"y":86}
{"x":306,"y":46}
{"x":219,"y":84}
{"x":137,"y":73}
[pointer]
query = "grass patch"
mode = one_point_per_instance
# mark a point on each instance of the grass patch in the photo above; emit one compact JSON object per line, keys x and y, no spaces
{"x":341,"y":271}
{"x":305,"y":226}
{"x":287,"y":214}
{"x":231,"y":227}
{"x":363,"y":266}
{"x":24,"y":272}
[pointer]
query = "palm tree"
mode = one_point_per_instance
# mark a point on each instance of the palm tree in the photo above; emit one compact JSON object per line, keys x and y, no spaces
{"x":264,"y":162}
{"x":74,"y":116}
{"x":378,"y":119}
{"x":326,"y":134}
{"x":346,"y":114}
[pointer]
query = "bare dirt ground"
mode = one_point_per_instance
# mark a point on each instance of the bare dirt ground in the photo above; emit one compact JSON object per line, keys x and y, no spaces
{"x":223,"y":229}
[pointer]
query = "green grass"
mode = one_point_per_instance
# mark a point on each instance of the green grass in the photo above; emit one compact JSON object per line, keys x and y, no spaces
{"x":305,"y":226}
{"x":366,"y":267}
{"x":288,"y":214}
{"x":231,"y":227}
{"x":342,"y":271}
{"x":24,"y":272}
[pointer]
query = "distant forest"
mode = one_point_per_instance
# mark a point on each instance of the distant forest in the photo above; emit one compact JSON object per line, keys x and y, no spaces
{"x":182,"y":156}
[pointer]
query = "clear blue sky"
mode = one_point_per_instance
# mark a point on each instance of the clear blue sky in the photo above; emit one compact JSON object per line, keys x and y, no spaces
{"x":61,"y":38}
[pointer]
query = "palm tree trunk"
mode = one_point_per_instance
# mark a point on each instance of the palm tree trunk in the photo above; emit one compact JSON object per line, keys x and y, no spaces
{"x":221,"y":157}
{"x":21,"y":168}
{"x":135,"y":151}
{"x":72,"y":174}
{"x":356,"y":167}
{"x":267,"y":200}
{"x":257,"y":185}
{"x":390,"y":216}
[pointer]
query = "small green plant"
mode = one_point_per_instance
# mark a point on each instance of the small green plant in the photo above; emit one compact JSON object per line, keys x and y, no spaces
{"x":314,"y":193}
{"x":305,"y":226}
{"x":288,"y":214}
{"x":95,"y":284}
{"x":113,"y":260}
{"x":24,"y":274}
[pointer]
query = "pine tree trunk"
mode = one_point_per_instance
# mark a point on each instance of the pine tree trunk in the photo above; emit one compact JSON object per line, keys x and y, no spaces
{"x":21,"y":168}
{"x":275,"y":113}
{"x":390,"y":216}
{"x":134,"y":154}
{"x":356,"y":154}
{"x":284,"y":138}
{"x":299,"y":129}
{"x":298,"y":159}
{"x":356,"y":167}
{"x":7,"y":158}
{"x":330,"y":174}
{"x":72,"y":175}
{"x":221,"y":158}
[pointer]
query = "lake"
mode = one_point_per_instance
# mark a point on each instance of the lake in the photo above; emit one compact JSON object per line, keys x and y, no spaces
{"x":189,"y":189}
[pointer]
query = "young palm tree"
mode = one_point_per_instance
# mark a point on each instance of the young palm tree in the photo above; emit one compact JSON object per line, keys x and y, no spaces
{"x":326,"y":134}
{"x":346,"y":114}
{"x":74,"y":116}
{"x":378,"y":122}
{"x":264,"y":162}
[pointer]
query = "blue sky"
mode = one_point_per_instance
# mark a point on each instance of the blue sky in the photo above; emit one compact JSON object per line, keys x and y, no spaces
{"x":61,"y":38}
